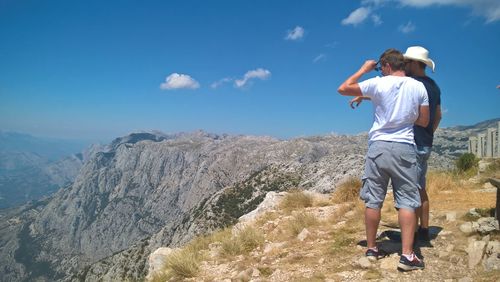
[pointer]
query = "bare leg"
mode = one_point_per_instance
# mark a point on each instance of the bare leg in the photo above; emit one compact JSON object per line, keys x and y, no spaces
{"x":372,"y":219}
{"x":408,"y":223}
{"x":423,"y":211}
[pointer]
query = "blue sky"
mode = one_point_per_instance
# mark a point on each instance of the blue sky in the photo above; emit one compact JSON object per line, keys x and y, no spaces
{"x":102,"y":69}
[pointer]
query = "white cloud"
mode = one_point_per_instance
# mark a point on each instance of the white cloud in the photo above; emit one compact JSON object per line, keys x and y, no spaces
{"x":357,"y":16}
{"x":375,"y":3}
{"x":258,"y":73}
{"x":295,"y":34}
{"x":220,"y":82}
{"x":179,"y":81}
{"x":320,"y":57}
{"x":376,"y":20}
{"x":407,"y":28}
{"x":489,"y":9}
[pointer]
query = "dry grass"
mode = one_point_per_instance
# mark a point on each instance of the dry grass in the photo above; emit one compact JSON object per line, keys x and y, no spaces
{"x":437,"y":182}
{"x":321,"y":202}
{"x":341,"y":241}
{"x":493,"y":169}
{"x":356,"y":209}
{"x":317,"y":277}
{"x":184,"y":263}
{"x":372,"y":274}
{"x":200,"y":243}
{"x":300,"y":221}
{"x":250,"y":238}
{"x":162,"y":277}
{"x":231,"y":247}
{"x":180,"y":265}
{"x":243,"y":242}
{"x":453,"y":193}
{"x":347,"y":191}
{"x":267,"y":216}
{"x":295,"y":200}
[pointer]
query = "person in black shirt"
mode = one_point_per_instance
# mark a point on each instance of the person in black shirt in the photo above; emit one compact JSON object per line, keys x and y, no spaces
{"x":417,"y":59}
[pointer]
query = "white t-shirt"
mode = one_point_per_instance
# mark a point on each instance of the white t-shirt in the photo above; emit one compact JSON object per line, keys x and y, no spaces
{"x":396,"y":101}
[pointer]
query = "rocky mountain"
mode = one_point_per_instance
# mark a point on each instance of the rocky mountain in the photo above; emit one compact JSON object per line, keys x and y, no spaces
{"x":33,"y":167}
{"x":147,"y":190}
{"x":478,"y":127}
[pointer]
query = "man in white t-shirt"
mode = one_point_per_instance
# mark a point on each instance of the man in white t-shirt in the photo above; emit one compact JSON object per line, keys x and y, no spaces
{"x":399,"y":102}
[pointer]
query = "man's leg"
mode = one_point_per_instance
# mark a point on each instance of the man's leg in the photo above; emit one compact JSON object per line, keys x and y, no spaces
{"x":407,"y":198}
{"x":423,"y":154}
{"x":423,"y":211}
{"x":408,"y":223}
{"x":372,"y":220}
{"x":373,"y":193}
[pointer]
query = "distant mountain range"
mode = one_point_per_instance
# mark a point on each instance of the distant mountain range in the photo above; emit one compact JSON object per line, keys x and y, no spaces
{"x":32,"y":167}
{"x":478,"y":127}
{"x":50,"y":149}
{"x":146,"y":190}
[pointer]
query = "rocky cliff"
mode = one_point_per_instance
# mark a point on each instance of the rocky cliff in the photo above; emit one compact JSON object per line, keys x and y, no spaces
{"x":147,"y":190}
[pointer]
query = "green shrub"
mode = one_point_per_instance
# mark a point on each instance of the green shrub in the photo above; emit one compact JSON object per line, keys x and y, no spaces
{"x":466,"y":162}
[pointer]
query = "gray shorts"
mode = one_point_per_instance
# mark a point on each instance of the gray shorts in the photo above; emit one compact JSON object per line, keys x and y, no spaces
{"x":423,"y":154}
{"x":394,"y":161}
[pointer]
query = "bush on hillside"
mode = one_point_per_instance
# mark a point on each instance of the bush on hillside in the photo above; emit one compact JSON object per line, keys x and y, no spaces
{"x":466,"y":162}
{"x":296,"y":199}
{"x":243,"y":242}
{"x":348,"y":191}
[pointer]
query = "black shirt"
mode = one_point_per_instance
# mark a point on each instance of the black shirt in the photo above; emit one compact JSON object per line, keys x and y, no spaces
{"x":425,"y":135}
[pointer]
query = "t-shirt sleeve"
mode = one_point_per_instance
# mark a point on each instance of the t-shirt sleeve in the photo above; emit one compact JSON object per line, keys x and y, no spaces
{"x":369,"y":87}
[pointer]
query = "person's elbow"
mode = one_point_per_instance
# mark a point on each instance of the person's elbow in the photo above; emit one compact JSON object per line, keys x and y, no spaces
{"x":349,"y":90}
{"x":423,"y":122}
{"x":342,"y":89}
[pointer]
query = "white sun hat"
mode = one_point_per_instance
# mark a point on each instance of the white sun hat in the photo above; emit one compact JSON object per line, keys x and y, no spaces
{"x":420,"y":54}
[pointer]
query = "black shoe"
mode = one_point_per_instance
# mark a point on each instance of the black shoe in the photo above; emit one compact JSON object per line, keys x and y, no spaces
{"x":409,"y":265}
{"x":374,"y":255}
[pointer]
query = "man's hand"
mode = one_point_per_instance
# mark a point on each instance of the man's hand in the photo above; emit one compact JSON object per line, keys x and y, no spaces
{"x":368,"y":66}
{"x":350,"y":87}
{"x":356,"y":101}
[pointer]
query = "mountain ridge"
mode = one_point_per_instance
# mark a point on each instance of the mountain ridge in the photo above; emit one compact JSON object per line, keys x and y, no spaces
{"x":147,"y":190}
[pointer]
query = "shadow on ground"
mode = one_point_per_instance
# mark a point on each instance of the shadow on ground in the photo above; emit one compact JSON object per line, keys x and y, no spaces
{"x":390,"y":241}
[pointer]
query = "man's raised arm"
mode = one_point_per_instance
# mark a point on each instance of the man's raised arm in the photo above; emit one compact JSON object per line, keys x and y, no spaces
{"x":350,"y":87}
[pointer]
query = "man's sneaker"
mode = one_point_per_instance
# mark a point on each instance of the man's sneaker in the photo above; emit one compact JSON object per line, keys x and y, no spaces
{"x":406,"y":264}
{"x":374,"y":254}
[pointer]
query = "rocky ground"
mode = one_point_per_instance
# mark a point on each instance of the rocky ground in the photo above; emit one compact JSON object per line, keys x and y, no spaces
{"x":465,"y":243}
